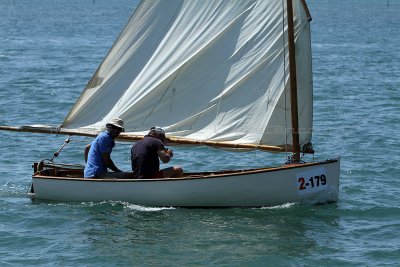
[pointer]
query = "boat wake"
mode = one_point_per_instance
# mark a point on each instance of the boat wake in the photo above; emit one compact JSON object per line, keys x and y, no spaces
{"x":125,"y":205}
{"x":9,"y":189}
{"x":143,"y":208}
{"x":278,"y":207}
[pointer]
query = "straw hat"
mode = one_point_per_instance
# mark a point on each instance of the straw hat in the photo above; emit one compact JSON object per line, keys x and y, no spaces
{"x":116,"y":122}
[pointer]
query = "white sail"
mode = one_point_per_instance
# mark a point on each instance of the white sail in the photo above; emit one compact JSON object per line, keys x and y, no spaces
{"x":211,"y":70}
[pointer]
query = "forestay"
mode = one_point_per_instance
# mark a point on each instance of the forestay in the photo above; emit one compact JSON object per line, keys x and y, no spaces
{"x":204,"y":70}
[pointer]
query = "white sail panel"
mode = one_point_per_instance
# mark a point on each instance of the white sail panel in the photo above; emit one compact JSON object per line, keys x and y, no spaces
{"x":204,"y":70}
{"x":304,"y":72}
{"x":279,"y":129}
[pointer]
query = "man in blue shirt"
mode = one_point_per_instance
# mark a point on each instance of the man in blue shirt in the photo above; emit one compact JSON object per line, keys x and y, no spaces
{"x":98,"y":153}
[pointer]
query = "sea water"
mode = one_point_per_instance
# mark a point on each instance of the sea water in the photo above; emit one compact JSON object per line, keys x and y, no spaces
{"x":49,"y":49}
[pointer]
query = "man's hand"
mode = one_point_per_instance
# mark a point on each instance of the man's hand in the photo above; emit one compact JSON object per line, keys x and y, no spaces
{"x":165,"y":155}
{"x":170,"y":152}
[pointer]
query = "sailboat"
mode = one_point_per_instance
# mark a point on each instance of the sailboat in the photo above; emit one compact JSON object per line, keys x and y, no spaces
{"x":235,"y":75}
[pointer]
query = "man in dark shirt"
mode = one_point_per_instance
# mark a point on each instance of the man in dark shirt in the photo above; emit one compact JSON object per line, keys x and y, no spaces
{"x":146,"y":155}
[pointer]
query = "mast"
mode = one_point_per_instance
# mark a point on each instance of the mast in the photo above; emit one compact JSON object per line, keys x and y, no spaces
{"x":293,"y":83}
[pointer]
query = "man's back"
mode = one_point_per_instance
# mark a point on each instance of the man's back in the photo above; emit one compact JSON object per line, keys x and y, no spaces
{"x":144,"y":157}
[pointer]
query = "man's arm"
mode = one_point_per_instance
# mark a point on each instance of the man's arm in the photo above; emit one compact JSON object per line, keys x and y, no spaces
{"x":165,"y":155}
{"x":86,"y":153}
{"x":109,"y":163}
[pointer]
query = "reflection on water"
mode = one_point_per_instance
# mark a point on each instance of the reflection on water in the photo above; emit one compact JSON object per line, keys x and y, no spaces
{"x":216,"y":236}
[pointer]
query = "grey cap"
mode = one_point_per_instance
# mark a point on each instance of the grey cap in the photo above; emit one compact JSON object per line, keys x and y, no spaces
{"x":157,"y":131}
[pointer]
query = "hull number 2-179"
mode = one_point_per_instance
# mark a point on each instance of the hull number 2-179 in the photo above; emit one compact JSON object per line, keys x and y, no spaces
{"x":311,"y":181}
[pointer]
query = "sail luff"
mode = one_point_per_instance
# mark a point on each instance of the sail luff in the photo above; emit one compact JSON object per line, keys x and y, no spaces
{"x":304,"y":4}
{"x":293,"y":83}
{"x":96,"y":80}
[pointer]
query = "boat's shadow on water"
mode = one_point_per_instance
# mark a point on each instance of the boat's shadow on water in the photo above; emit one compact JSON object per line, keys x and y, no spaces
{"x":244,"y":232}
{"x":137,"y":234}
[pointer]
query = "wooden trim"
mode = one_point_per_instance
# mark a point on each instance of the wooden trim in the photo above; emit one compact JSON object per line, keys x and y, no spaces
{"x":129,"y":137}
{"x":46,"y":130}
{"x":194,"y":175}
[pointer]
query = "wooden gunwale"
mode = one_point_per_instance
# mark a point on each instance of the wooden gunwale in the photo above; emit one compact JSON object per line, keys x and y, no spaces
{"x":203,"y":175}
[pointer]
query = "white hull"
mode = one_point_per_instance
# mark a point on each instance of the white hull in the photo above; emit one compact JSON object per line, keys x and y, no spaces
{"x":311,"y":183}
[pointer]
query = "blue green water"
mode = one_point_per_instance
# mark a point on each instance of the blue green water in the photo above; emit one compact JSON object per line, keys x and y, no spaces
{"x":50,"y":48}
